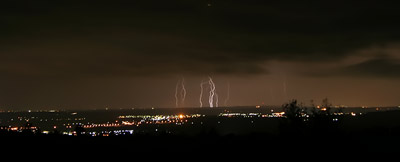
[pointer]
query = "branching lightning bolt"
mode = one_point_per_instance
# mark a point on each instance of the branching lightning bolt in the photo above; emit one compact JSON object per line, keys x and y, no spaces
{"x":213,"y":96}
{"x":180,"y":93}
{"x":212,"y":92}
{"x":201,"y":92}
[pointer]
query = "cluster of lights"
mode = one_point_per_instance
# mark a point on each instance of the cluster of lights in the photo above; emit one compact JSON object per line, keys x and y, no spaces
{"x":251,"y":115}
{"x":101,"y":125}
{"x":33,"y":118}
{"x":93,"y":125}
{"x":102,"y":133}
{"x":19,"y":129}
{"x":137,"y":120}
{"x":159,"y":117}
{"x":277,"y":115}
{"x":142,"y":119}
{"x":67,"y":119}
{"x":339,"y":113}
{"x":133,"y":123}
{"x":245,"y":115}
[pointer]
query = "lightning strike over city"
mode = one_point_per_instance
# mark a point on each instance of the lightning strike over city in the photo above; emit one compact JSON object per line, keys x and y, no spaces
{"x":230,"y":78}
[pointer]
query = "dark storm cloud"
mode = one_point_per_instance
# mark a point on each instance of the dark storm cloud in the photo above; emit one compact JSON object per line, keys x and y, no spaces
{"x":154,"y":37}
{"x":380,"y":67}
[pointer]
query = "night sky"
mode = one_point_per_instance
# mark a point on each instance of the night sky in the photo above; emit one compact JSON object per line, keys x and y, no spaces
{"x":86,"y":54}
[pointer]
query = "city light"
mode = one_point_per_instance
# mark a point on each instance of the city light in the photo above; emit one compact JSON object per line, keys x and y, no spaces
{"x":125,"y":124}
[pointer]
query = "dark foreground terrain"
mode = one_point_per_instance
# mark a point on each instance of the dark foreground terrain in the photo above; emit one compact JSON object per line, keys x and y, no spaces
{"x":373,"y":132}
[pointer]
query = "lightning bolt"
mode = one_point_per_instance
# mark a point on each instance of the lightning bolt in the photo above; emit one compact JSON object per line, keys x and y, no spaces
{"x":216,"y":99}
{"x":180,"y":93}
{"x":183,"y":92}
{"x":213,"y":96}
{"x":212,"y":92}
{"x":201,"y":92}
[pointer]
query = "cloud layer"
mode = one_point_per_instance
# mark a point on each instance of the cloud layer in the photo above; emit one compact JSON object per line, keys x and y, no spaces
{"x":154,"y":37}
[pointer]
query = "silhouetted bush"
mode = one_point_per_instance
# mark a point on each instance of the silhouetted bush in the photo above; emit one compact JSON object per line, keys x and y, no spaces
{"x":294,"y":121}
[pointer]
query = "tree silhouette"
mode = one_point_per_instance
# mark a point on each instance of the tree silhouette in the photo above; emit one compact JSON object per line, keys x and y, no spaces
{"x":292,"y":110}
{"x":322,"y":121}
{"x":294,"y":122}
